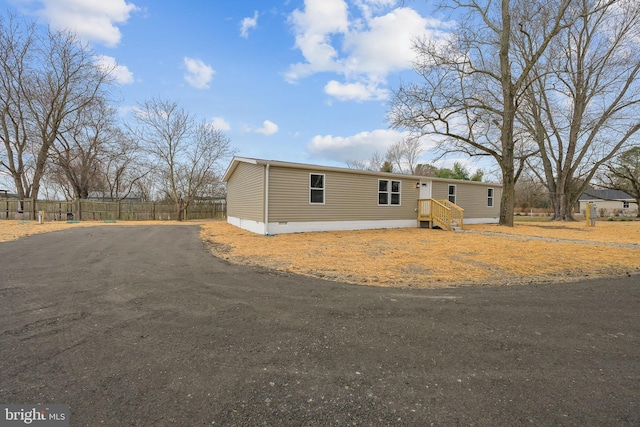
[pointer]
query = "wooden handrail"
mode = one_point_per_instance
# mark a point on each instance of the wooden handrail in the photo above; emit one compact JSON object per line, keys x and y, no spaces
{"x":442,"y":213}
{"x":457,"y":213}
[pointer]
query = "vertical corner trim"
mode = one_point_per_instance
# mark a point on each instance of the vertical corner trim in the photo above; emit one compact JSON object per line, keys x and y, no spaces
{"x":266,"y":199}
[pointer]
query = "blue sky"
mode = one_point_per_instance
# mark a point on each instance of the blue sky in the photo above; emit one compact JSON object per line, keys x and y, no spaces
{"x":303,"y":81}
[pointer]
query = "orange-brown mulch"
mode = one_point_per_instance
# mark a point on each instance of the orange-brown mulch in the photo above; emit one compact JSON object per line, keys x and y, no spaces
{"x":487,"y":254}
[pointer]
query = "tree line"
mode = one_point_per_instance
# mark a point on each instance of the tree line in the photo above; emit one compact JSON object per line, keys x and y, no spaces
{"x":60,"y":128}
{"x":403,"y":157}
{"x":546,"y":87}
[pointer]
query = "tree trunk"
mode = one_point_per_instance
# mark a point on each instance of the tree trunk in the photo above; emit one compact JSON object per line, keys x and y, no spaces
{"x":563,"y":208}
{"x":568,"y":212}
{"x":180,"y":209}
{"x":20,"y":191}
{"x":563,"y":200}
{"x":507,"y":202}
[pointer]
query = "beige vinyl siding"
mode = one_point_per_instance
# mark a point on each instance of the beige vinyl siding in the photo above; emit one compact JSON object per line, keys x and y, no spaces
{"x":245,"y":192}
{"x":348,"y":197}
{"x":472,"y":197}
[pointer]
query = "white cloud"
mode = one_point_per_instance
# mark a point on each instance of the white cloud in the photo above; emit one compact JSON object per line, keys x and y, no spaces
{"x":268,"y":128}
{"x":126,"y":110}
{"x":363,"y":48}
{"x":313,"y":28}
{"x":369,"y":7}
{"x":355,"y":91}
{"x":248,"y":24}
{"x":220,"y":124}
{"x":121,"y":73}
{"x":386,"y":45}
{"x":198,"y":73}
{"x":360,"y":146}
{"x":91,"y":20}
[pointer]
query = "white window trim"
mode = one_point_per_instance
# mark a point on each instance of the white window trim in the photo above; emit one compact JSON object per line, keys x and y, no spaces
{"x":389,"y":192}
{"x":626,"y":205}
{"x":492,"y":197}
{"x":455,"y":193}
{"x":324,"y":188}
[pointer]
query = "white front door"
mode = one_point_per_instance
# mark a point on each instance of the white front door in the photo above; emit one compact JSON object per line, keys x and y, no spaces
{"x":425,"y":189}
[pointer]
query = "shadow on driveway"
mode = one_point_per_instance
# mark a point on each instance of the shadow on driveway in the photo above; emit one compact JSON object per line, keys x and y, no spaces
{"x":142,"y":326}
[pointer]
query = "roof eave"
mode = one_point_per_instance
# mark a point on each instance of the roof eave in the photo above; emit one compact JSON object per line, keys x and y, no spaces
{"x":320,"y":168}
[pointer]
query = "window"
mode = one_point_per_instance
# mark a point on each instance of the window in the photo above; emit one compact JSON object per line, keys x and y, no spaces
{"x":625,"y":205}
{"x":316,"y":188}
{"x":490,"y":197}
{"x":389,"y":192}
{"x":452,"y":193}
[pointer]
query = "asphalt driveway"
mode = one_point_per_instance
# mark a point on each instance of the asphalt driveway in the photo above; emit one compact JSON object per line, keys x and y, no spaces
{"x":142,"y":326}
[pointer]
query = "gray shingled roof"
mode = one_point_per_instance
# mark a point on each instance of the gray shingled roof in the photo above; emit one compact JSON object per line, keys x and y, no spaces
{"x":605,"y":195}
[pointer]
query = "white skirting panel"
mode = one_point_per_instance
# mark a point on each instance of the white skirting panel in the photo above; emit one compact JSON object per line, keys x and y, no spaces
{"x":247,"y":224}
{"x":481,"y":220}
{"x":301,"y":227}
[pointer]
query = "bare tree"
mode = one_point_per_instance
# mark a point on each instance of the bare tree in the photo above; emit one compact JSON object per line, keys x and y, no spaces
{"x":92,"y":154}
{"x":45,"y":76}
{"x":531,"y":192}
{"x":404,"y":155}
{"x":583,"y":103}
{"x":81,"y":147}
{"x":17,"y":46}
{"x":357,"y":164}
{"x":426,"y":169}
{"x":375,"y":163}
{"x":124,"y":169}
{"x":472,"y":83}
{"x":187,"y":153}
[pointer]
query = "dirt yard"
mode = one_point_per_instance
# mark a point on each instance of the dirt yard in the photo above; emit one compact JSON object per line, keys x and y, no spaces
{"x":482,"y":255}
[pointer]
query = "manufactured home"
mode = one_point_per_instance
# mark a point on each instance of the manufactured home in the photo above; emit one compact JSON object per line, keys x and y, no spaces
{"x":273,"y":197}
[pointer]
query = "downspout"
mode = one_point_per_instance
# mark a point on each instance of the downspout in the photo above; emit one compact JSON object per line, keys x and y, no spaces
{"x":266,"y":201}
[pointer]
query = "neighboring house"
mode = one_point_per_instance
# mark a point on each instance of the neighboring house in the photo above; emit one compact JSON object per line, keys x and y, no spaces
{"x":609,"y":202}
{"x":4,"y":194}
{"x":272,"y":197}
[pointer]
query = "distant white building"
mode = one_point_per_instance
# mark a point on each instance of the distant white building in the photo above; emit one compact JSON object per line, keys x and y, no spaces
{"x":609,"y":202}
